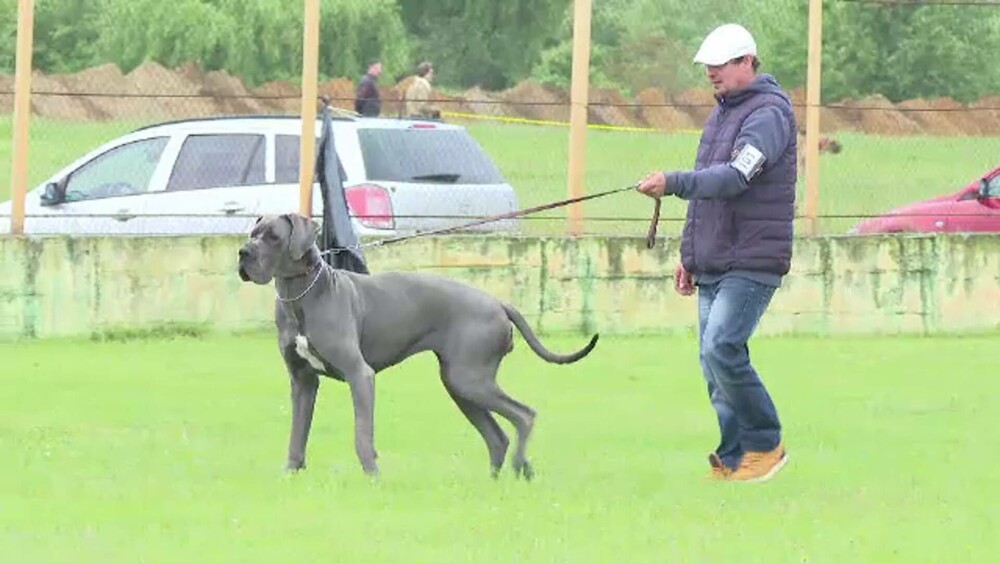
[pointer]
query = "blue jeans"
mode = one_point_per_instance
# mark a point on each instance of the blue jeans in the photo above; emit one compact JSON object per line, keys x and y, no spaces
{"x":728,"y":312}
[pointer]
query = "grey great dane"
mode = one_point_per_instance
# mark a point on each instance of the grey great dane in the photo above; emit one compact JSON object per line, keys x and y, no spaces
{"x":351,"y":326}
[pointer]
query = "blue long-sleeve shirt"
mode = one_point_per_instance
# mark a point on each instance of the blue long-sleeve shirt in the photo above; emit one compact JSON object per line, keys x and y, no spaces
{"x":766,"y":129}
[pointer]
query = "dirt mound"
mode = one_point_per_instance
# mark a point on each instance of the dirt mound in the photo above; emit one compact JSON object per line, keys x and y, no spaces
{"x":609,"y":107}
{"x":966,"y":122}
{"x":987,"y":115}
{"x":178,"y":94}
{"x":444,"y":102}
{"x":152,"y":91}
{"x":229,"y":93}
{"x":532,"y":100}
{"x":279,"y":96}
{"x":830,"y":120}
{"x":50,"y":97}
{"x":105,"y":88}
{"x":480,"y":102}
{"x":877,"y":115}
{"x":654,"y":111}
{"x":935,"y":117}
{"x":697,"y":103}
{"x":340,"y":90}
{"x":6,"y":94}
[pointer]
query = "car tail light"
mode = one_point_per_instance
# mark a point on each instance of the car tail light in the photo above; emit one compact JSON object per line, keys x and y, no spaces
{"x":371,"y":205}
{"x":423,"y":126}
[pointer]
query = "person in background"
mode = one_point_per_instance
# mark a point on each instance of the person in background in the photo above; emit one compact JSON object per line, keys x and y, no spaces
{"x":418,"y":95}
{"x":366,"y":99}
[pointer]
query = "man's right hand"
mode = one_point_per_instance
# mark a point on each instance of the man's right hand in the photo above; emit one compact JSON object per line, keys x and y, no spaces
{"x":683,"y":281}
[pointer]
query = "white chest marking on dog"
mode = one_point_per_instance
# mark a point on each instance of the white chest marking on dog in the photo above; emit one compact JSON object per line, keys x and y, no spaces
{"x":302,"y":349}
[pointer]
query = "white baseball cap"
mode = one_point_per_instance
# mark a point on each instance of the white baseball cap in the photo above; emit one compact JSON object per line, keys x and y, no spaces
{"x":724,"y":44}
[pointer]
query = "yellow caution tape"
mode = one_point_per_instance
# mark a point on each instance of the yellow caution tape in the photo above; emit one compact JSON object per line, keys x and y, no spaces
{"x":506,"y":119}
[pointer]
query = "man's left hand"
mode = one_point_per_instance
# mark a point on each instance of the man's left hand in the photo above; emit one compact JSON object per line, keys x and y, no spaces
{"x":654,"y":185}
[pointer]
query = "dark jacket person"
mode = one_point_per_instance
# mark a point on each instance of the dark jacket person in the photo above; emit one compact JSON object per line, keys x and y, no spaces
{"x":736,"y":245}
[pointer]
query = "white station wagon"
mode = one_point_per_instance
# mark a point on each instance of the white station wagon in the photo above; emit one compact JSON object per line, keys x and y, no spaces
{"x":216,"y":175}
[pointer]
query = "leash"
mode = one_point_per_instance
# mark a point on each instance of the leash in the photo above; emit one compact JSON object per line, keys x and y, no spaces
{"x":650,"y":235}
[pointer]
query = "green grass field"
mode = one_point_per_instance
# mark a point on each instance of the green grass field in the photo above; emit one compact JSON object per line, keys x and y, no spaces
{"x":871,"y":175}
{"x":171,"y":450}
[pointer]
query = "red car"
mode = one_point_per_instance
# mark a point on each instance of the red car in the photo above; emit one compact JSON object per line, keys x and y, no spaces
{"x":974,"y":208}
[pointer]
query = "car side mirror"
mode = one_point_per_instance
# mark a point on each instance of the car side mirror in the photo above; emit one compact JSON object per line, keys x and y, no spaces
{"x":54,"y":194}
{"x":984,"y":189}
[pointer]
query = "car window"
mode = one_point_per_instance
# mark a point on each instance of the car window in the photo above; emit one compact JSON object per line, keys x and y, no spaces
{"x":286,"y":159}
{"x":444,"y":155}
{"x":123,"y":170}
{"x":993,"y":187}
{"x":218,"y":161}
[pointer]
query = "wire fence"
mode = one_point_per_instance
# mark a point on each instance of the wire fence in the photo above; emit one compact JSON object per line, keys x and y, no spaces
{"x":875,"y":155}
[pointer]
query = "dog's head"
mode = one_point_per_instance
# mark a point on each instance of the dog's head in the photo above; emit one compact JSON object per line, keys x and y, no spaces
{"x":278,"y":246}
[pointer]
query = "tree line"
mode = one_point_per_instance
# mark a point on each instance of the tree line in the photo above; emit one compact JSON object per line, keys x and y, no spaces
{"x":899,"y":51}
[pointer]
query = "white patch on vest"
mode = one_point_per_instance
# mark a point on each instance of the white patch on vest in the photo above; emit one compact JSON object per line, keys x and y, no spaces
{"x":302,"y":349}
{"x":748,"y":161}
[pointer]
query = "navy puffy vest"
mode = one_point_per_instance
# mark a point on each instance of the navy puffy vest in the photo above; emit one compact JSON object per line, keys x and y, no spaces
{"x":752,"y":231}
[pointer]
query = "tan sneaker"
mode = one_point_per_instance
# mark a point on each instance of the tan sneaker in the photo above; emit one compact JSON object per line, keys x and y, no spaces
{"x":757,"y":467}
{"x":720,"y":471}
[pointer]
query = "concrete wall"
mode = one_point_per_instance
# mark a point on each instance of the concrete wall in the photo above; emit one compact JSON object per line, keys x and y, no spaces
{"x":914,"y":284}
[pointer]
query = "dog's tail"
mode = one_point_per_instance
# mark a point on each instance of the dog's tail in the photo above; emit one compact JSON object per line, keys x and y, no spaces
{"x":529,"y":335}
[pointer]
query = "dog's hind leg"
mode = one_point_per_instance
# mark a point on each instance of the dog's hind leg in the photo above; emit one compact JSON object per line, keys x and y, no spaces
{"x":478,"y":385}
{"x":494,"y":436}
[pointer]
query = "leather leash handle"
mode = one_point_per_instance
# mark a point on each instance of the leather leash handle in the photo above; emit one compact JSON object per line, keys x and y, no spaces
{"x":651,"y":234}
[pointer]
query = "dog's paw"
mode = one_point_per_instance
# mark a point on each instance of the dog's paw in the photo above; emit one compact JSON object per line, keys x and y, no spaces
{"x":526,"y":471}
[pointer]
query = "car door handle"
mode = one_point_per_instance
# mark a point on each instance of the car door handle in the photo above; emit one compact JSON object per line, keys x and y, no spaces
{"x":124,"y":215}
{"x":231,"y":207}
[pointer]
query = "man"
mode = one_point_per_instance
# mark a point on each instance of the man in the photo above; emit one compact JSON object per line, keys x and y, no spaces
{"x":737,"y":243}
{"x":366,"y":98}
{"x":418,"y":95}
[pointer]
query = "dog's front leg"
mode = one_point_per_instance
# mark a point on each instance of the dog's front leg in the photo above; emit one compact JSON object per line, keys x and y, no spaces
{"x":305,"y":384}
{"x":362,"y":382}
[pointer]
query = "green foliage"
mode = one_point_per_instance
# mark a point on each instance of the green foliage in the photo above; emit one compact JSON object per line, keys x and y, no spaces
{"x":651,"y":43}
{"x":355,"y":32}
{"x":169,"y":33}
{"x":898,"y":51}
{"x":555,"y":66}
{"x":909,"y":52}
{"x":901,"y":52}
{"x":257,"y":41}
{"x":8,"y":34}
{"x":492,"y":44}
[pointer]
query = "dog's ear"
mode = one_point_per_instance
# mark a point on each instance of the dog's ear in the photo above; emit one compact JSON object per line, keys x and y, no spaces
{"x":304,"y":231}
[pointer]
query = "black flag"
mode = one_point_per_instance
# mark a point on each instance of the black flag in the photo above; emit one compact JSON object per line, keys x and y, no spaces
{"x":337,"y":230}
